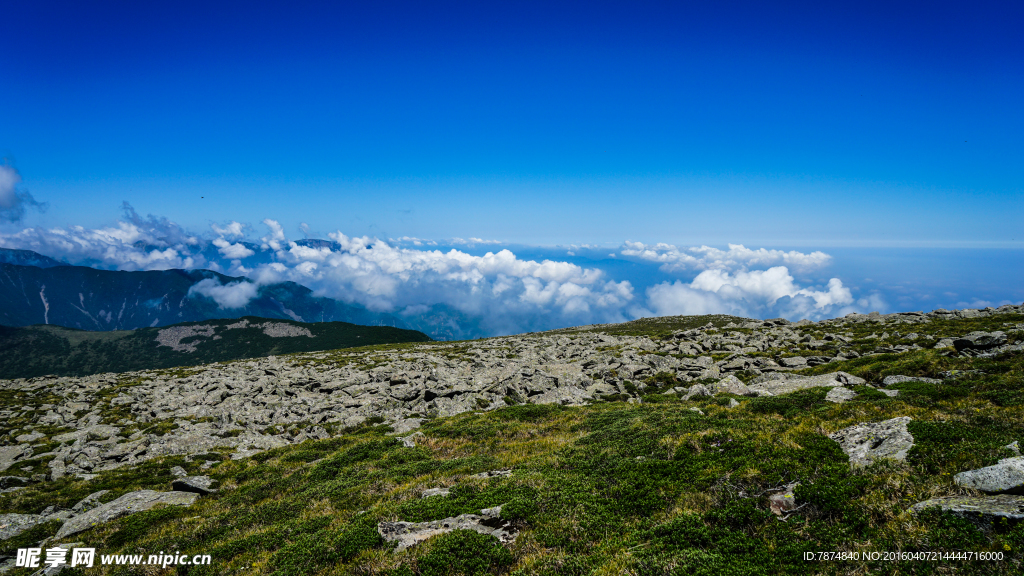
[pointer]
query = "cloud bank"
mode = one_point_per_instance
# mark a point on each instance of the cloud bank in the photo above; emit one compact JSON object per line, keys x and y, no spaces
{"x":500,"y":292}
{"x":675,"y":259}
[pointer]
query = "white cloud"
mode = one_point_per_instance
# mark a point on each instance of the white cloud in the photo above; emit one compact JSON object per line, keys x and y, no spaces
{"x":233,"y":295}
{"x":232,"y":230}
{"x":676,"y":259}
{"x":232,"y":251}
{"x":12,"y":200}
{"x":756,"y":294}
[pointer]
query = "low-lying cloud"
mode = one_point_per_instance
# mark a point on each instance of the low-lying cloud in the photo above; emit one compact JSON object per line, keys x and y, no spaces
{"x":674,"y":259}
{"x":499,"y":291}
{"x":227,"y":296}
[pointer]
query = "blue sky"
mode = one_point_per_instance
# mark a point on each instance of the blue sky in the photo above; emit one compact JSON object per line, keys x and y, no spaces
{"x":795,"y":126}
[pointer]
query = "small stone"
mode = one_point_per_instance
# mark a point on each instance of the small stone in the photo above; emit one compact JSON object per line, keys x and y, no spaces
{"x":178,"y":472}
{"x":783,"y":501}
{"x":201,"y":485}
{"x":1013,"y":447}
{"x":793,"y":362}
{"x":733,"y":403}
{"x":889,"y":393}
{"x":697,"y":410}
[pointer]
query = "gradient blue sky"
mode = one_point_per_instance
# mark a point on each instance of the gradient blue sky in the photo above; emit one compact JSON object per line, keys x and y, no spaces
{"x":798,"y":124}
{"x":890,"y":135}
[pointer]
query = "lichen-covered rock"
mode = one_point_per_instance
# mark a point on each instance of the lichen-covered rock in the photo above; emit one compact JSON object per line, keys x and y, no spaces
{"x":408,"y":534}
{"x":431,"y":492}
{"x":1006,"y":477}
{"x":13,"y":524}
{"x":984,"y":510}
{"x":866,"y":443}
{"x":130,"y":503}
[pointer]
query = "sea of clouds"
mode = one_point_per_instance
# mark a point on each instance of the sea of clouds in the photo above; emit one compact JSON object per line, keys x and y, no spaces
{"x":501,"y":291}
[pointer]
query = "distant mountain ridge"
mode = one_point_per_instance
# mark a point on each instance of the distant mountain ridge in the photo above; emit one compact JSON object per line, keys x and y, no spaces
{"x":54,"y":350}
{"x":28,"y":258}
{"x":90,"y":299}
{"x":37,"y":289}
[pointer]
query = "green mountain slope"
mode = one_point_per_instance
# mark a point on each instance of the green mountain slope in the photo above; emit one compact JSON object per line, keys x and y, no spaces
{"x":90,"y":299}
{"x":41,"y":350}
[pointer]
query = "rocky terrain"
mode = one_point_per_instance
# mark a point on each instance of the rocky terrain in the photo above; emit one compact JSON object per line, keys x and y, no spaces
{"x":894,"y":372}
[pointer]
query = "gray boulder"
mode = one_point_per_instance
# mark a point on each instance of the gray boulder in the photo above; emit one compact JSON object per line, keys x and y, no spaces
{"x":867,"y":442}
{"x":731,"y":385}
{"x":983,"y":510}
{"x":979,"y":341}
{"x":201,"y":485}
{"x":408,"y":534}
{"x":1006,"y":477}
{"x":130,"y":503}
{"x":697,"y":391}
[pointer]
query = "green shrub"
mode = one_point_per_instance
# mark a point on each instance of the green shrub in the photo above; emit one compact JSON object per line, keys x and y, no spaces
{"x":464,"y":553}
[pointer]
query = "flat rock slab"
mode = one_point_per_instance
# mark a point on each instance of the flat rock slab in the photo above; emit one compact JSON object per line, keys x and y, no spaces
{"x":867,"y":442}
{"x":429,"y":492}
{"x":408,"y":534}
{"x":13,"y":524}
{"x":785,"y":383}
{"x":130,"y":503}
{"x":8,"y":454}
{"x":1006,"y":477}
{"x":840,"y":394}
{"x":980,"y":509}
{"x":890,"y":380}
